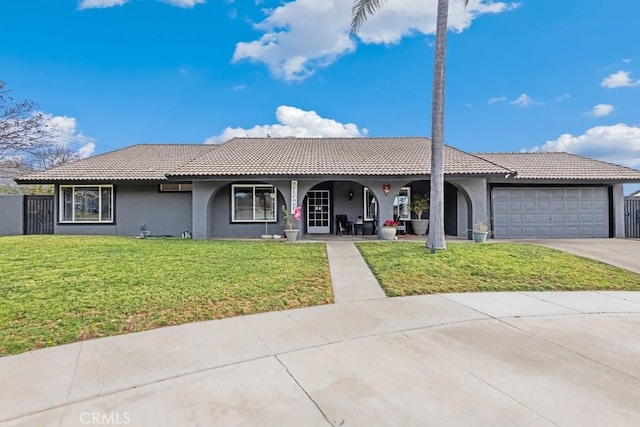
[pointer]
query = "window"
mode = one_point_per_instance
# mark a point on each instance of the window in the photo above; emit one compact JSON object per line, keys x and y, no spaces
{"x":370,"y":205}
{"x":402,"y":204}
{"x":176,"y":186}
{"x":86,"y":203}
{"x":253,"y":203}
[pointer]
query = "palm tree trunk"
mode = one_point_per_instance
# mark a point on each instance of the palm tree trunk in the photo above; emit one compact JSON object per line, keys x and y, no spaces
{"x":436,"y":239}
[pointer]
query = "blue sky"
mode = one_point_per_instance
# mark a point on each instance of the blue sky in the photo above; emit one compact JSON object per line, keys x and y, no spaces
{"x":544,"y":74}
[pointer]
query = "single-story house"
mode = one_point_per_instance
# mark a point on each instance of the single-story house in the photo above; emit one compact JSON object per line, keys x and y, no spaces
{"x":237,"y":189}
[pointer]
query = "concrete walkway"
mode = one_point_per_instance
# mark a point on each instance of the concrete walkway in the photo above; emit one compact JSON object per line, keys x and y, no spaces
{"x":351,"y":278}
{"x":485,"y":359}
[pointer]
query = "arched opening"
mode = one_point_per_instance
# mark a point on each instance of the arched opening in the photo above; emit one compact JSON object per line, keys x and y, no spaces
{"x":457,"y":211}
{"x":243,"y":209}
{"x":339,"y":207}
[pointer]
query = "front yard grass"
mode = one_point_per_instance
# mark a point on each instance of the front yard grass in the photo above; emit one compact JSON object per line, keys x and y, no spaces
{"x":60,"y":289}
{"x":407,"y":268}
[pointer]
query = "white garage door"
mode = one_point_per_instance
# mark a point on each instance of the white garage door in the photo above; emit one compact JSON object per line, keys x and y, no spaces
{"x":550,"y":212}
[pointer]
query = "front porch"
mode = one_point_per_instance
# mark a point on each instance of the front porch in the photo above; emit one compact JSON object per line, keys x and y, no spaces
{"x":358,"y":207}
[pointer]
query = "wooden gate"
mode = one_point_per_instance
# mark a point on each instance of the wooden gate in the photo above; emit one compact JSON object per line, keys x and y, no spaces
{"x":38,"y":214}
{"x":632,"y":217}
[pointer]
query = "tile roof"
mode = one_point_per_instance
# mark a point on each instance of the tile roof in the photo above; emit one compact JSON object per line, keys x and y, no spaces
{"x":143,"y":162}
{"x":331,"y":156}
{"x":320,"y":156}
{"x":562,"y":166}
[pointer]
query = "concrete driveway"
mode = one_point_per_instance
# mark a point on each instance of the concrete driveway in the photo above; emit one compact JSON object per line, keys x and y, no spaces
{"x":623,"y":253}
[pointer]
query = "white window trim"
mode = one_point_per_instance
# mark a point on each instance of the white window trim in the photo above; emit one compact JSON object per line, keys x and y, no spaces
{"x":408,"y":217}
{"x":365,"y":193}
{"x":253,"y":192}
{"x":73,"y":204}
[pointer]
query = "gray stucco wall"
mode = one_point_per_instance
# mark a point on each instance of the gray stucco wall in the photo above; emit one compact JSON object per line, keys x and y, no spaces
{"x":11,"y":214}
{"x":164,"y":213}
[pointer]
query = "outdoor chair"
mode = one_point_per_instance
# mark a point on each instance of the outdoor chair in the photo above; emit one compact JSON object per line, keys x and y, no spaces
{"x":402,"y":225}
{"x":343,"y":225}
{"x":359,"y":224}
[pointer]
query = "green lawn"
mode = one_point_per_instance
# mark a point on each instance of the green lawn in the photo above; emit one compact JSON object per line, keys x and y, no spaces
{"x":407,"y":268}
{"x":60,"y":289}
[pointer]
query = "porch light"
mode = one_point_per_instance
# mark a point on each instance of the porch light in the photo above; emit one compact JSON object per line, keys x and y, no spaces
{"x":350,"y":194}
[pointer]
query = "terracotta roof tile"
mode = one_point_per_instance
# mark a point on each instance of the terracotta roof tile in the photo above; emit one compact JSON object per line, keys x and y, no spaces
{"x":320,"y":156}
{"x":563,"y":166}
{"x":143,"y":162}
{"x":330,"y":156}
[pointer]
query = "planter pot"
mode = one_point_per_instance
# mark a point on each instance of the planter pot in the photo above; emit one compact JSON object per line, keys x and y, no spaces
{"x":388,"y":233}
{"x":420,"y":226}
{"x":292,"y":235}
{"x":480,"y":236}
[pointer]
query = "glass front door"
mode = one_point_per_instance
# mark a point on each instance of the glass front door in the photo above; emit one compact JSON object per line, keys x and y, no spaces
{"x":318,"y":212}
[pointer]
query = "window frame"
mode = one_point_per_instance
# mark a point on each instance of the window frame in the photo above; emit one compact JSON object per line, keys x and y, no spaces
{"x":183,"y":187}
{"x":101,"y":187}
{"x":253,"y":188}
{"x":365,"y":206}
{"x":396,"y":208}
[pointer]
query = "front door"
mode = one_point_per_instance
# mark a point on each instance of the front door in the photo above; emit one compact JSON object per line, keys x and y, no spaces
{"x":318,"y":212}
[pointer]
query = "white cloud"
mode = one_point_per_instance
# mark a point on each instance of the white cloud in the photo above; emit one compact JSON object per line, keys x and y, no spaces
{"x":618,"y":143}
{"x":523,"y":100}
{"x":496,"y":99}
{"x":619,"y":79}
{"x":563,"y":97}
{"x":626,"y":60}
{"x":68,"y":135}
{"x":301,"y":36}
{"x":184,"y":3}
{"x":101,"y":4}
{"x":600,"y":110}
{"x":400,"y":18}
{"x":293,"y":121}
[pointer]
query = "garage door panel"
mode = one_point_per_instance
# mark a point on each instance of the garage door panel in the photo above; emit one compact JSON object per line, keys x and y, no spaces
{"x":544,"y":206}
{"x":572,"y":231}
{"x":515,"y":206}
{"x":515,"y":219}
{"x":572,"y":218}
{"x":572,"y":205}
{"x":548,"y":212}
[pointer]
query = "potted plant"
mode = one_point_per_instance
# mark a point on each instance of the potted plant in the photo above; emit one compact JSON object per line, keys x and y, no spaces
{"x":389,"y":228}
{"x":480,"y":232}
{"x":289,"y":230}
{"x":420,"y":204}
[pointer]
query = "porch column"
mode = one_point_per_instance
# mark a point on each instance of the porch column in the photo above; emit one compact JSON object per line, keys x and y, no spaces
{"x":476,"y":189}
{"x":618,"y":211}
{"x":385,"y":201}
{"x":201,"y":196}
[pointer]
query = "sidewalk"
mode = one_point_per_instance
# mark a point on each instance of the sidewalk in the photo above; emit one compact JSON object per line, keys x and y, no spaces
{"x":526,"y":358}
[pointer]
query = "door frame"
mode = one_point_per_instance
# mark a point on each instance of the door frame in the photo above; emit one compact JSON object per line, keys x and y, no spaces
{"x":325,"y":229}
